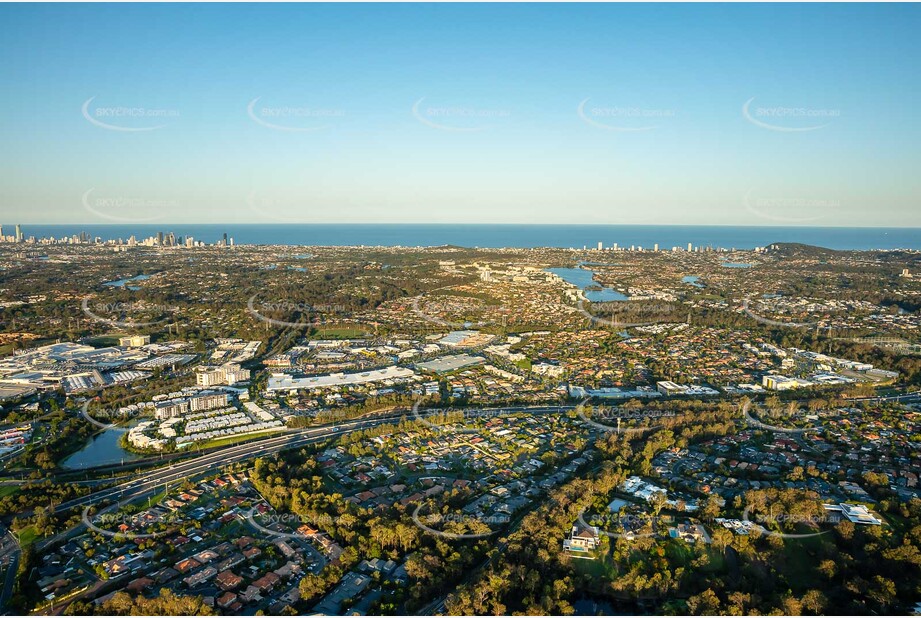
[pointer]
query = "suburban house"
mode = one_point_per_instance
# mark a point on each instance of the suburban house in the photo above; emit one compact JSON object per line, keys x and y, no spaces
{"x":582,"y":540}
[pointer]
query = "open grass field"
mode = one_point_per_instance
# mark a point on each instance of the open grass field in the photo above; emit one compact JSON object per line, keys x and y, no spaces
{"x":230,"y":440}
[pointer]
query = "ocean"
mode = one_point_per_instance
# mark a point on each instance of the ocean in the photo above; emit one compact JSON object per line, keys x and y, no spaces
{"x":494,"y":236}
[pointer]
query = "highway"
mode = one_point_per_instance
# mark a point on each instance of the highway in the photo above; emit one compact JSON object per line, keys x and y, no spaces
{"x":268,"y":442}
{"x":9,"y":558}
{"x":293,"y":438}
{"x":209,"y":463}
{"x":906,"y":397}
{"x":203,"y":464}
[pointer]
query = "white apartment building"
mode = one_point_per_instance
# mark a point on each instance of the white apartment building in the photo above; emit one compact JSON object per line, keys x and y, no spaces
{"x":228,"y":373}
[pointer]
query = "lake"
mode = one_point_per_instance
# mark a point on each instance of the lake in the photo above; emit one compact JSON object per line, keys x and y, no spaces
{"x":123,"y":283}
{"x":582,"y":278}
{"x":102,"y":449}
{"x":693,"y":280}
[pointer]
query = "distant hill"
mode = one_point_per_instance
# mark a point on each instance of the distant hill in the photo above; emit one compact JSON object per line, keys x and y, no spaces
{"x":799,"y":250}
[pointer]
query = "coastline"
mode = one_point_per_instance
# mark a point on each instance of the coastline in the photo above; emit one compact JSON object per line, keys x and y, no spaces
{"x":497,"y":236}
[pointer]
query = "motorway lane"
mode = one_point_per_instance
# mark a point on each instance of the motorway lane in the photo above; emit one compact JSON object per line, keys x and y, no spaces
{"x":233,"y":454}
{"x":271,"y":445}
{"x":9,"y":554}
{"x":199,"y":465}
{"x":9,"y":580}
{"x":9,"y":455}
{"x":905,"y":397}
{"x":915,"y":395}
{"x":289,"y":439}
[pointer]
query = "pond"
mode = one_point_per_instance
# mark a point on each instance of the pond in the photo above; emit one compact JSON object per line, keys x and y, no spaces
{"x":582,"y":278}
{"x":102,"y":449}
{"x":735,"y":265}
{"x":595,"y":607}
{"x":693,"y":280}
{"x":123,"y":283}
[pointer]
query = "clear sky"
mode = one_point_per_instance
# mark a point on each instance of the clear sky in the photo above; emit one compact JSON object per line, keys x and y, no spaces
{"x":675,"y":114}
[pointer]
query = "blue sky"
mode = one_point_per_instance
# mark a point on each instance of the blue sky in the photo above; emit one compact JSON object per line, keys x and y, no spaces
{"x":461,"y":113}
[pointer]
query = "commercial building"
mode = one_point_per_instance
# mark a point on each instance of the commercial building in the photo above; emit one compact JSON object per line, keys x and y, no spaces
{"x":613,"y":392}
{"x":169,"y":360}
{"x":670,"y":388}
{"x":285,"y":382}
{"x":777,"y":382}
{"x":465,"y":339}
{"x":453,"y":362}
{"x":134,"y":341}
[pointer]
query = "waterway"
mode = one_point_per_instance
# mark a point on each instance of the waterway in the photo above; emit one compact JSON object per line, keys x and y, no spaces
{"x":123,"y":283}
{"x":582,"y":278}
{"x":102,"y":449}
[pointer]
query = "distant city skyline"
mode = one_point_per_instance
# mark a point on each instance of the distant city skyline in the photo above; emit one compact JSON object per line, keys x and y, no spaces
{"x":589,"y":236}
{"x":750,"y":115}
